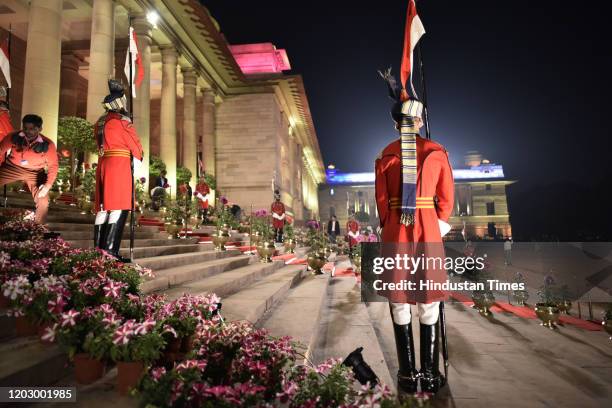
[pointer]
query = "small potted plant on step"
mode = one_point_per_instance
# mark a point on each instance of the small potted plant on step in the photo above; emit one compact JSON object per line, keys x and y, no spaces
{"x":547,"y":310}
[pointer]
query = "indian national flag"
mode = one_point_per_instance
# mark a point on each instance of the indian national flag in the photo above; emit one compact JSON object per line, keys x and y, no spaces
{"x":412,"y":34}
{"x":137,"y":68}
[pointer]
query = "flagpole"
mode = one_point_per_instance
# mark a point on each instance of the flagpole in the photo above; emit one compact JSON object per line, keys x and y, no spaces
{"x":426,"y":106}
{"x":8,"y":95}
{"x":131,"y":80}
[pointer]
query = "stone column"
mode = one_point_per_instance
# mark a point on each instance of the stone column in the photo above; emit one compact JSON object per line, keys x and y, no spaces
{"x":190,"y":144}
{"x":41,"y":87}
{"x":167,"y":122}
{"x":101,"y":56}
{"x":142,"y":102}
{"x":208,"y":143}
{"x":69,"y":84}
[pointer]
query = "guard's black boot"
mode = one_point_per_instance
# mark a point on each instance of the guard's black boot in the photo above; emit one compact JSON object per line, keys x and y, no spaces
{"x":407,"y":374}
{"x":114,"y":236}
{"x":431,"y":379}
{"x":100,"y":232}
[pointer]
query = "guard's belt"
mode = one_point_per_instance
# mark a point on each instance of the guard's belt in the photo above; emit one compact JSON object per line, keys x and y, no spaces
{"x":117,"y":153}
{"x":421,"y":202}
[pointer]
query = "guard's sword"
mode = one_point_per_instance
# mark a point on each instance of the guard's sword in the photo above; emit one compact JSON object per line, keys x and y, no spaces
{"x":444,"y":340}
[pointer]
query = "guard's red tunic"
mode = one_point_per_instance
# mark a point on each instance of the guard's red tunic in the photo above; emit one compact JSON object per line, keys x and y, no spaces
{"x":5,"y":124}
{"x":434,"y":180}
{"x":114,"y":174}
{"x":203,"y":189}
{"x":278,"y":208}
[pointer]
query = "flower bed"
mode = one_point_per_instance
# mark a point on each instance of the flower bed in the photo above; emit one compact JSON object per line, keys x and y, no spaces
{"x":91,"y":306}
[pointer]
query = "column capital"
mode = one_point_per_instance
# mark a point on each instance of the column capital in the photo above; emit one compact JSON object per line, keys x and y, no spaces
{"x":142,"y":26}
{"x":169,"y":54}
{"x":209,"y":95}
{"x":190,"y":76}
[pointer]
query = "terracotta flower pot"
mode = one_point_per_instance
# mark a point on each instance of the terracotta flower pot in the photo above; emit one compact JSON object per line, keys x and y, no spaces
{"x":174,"y":345}
{"x":4,"y":302}
{"x":24,"y":327}
{"x":87,"y":369}
{"x":128,"y":375}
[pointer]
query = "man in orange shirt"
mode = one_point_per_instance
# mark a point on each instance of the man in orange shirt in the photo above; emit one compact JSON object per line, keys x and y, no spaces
{"x":118,"y":145}
{"x":28,"y":156}
{"x":202,"y":193}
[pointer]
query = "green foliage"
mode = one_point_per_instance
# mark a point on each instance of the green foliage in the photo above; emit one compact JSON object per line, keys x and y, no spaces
{"x":156,"y":166}
{"x":362,"y":216}
{"x":549,"y":292}
{"x":183,"y":175}
{"x":211,"y":181}
{"x":63,"y":176}
{"x":224,"y":216}
{"x":76,"y":134}
{"x":89,"y":183}
{"x":289,"y":231}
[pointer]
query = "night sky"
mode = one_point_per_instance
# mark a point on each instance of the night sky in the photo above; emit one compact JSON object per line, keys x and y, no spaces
{"x":525,"y":83}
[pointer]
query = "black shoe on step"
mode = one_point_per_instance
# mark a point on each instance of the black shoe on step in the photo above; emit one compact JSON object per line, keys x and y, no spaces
{"x":114,"y":236}
{"x":407,"y":375}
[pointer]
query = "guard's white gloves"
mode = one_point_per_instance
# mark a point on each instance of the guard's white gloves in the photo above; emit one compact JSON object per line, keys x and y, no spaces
{"x":137,"y":164}
{"x":445,"y":227}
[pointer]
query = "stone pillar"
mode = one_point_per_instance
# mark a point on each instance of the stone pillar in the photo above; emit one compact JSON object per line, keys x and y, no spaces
{"x":101,"y":58}
{"x":167,"y":122}
{"x":41,"y":87}
{"x":208,"y":143}
{"x":142,"y":102}
{"x":190,"y":145}
{"x":69,"y":84}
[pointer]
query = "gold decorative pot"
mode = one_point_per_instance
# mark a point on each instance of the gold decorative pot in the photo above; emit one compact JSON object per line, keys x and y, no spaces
{"x":290,"y":245}
{"x":564,"y":306}
{"x":357,"y":263}
{"x":549,"y":315}
{"x":265,"y":250}
{"x":53,"y":196}
{"x":220,"y":238}
{"x":256,"y":238}
{"x":316,"y":261}
{"x":483,"y":302}
{"x":85,"y":205}
{"x":172,"y":229}
{"x":520,"y":297}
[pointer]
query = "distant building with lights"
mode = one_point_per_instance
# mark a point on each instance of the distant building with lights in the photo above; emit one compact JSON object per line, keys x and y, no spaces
{"x":481,"y":204}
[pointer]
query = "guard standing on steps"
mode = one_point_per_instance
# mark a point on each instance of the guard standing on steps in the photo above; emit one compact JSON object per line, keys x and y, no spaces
{"x":414,"y":196}
{"x":118,"y":145}
{"x":278,"y":217}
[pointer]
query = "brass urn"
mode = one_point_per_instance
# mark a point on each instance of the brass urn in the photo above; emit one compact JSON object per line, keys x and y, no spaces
{"x":520,"y":297}
{"x":483,"y":302}
{"x":220,"y":237}
{"x":172,"y":229}
{"x":316,"y":261}
{"x":53,"y":196}
{"x":85,"y":204}
{"x":265,"y":250}
{"x":564,"y":306}
{"x":549,"y":315}
{"x":290,"y":245}
{"x":357,"y":263}
{"x":256,"y":237}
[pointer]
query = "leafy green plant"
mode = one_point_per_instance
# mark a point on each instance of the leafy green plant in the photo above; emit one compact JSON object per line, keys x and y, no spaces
{"x":289,"y":231}
{"x":183,"y":175}
{"x":156,"y":166}
{"x":211,"y":181}
{"x":76,"y":135}
{"x":549,"y":292}
{"x":362,"y":216}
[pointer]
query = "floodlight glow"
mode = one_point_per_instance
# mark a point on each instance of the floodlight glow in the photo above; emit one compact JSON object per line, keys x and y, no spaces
{"x":153,"y":18}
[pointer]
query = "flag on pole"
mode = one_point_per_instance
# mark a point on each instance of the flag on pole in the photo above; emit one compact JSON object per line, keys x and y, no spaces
{"x":5,"y":65}
{"x":412,"y":34}
{"x":137,"y":68}
{"x":200,"y":167}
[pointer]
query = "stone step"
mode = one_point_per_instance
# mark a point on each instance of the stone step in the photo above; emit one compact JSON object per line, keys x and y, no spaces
{"x":70,"y":217}
{"x":71,"y":226}
{"x":148,"y":252}
{"x":158,"y":263}
{"x":27,"y":362}
{"x":306,"y":300}
{"x":138,"y":243}
{"x":253,"y":302}
{"x":345,"y":325}
{"x":226,"y":283}
{"x":220,"y":262}
{"x":138,"y":234}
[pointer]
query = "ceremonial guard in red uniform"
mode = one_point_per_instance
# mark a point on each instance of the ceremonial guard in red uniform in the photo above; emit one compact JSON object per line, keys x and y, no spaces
{"x":278,"y":217}
{"x":414,"y":196}
{"x":28,"y":156}
{"x":202,"y":194}
{"x":118,"y":145}
{"x":352,"y":231}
